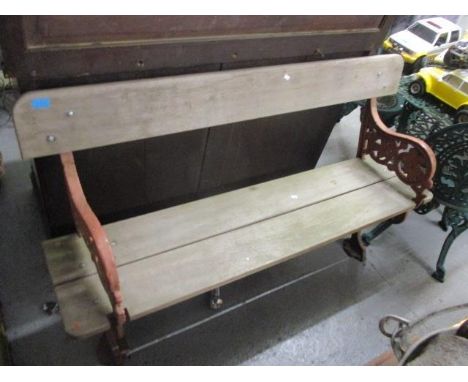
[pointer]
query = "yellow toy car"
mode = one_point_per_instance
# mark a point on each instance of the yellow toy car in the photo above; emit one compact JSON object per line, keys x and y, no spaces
{"x":451,"y":87}
{"x":426,"y":36}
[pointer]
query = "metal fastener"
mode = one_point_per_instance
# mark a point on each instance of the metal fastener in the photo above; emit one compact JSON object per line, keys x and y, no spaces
{"x":287,"y":77}
{"x":70,"y":113}
{"x":51,"y":138}
{"x":50,"y":307}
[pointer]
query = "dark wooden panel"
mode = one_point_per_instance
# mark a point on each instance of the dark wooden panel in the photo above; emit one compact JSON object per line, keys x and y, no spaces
{"x":46,"y":31}
{"x":50,"y":51}
{"x":126,"y":179}
{"x":264,"y":149}
{"x":109,"y":176}
{"x":92,"y":62}
{"x":173,"y":166}
{"x":50,"y":187}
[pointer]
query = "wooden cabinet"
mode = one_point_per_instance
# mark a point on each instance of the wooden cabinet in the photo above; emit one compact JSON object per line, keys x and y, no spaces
{"x":55,"y":51}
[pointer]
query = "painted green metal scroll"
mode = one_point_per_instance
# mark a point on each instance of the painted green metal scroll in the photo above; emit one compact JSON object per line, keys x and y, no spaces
{"x":450,"y":146}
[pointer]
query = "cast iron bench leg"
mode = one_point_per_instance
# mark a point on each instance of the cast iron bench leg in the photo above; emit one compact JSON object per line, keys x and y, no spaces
{"x":369,"y":236}
{"x":355,"y":247}
{"x":444,"y":222}
{"x":439,"y":273}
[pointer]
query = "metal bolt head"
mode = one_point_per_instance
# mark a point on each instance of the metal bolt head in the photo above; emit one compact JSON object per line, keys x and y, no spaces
{"x":50,"y":307}
{"x":216,"y":303}
{"x":70,"y":113}
{"x":287,"y":77}
{"x":51,"y":138}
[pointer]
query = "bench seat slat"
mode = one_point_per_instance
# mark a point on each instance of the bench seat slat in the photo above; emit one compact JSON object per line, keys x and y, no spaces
{"x":154,"y":283}
{"x":161,"y":231}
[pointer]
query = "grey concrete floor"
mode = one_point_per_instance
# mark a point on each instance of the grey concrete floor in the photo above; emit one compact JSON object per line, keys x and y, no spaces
{"x":328,"y":318}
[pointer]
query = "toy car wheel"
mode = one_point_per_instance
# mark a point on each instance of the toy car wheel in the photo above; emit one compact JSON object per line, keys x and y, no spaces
{"x":457,"y":55}
{"x":448,"y":58}
{"x":462,"y":115}
{"x":389,"y":107}
{"x":419,"y":63}
{"x":417,"y":87}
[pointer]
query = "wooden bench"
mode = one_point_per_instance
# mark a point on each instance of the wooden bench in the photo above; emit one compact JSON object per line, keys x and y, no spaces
{"x":107,"y":275}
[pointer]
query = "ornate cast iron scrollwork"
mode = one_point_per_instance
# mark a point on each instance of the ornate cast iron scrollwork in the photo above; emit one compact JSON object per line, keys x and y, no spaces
{"x":451,"y":179}
{"x":410,"y":158}
{"x":417,"y":123}
{"x":451,"y":185}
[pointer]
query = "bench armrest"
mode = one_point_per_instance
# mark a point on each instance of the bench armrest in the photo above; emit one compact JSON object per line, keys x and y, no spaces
{"x":412,"y":160}
{"x":89,"y":227}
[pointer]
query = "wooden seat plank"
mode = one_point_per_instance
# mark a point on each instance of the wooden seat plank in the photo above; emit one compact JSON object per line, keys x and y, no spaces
{"x":164,"y":230}
{"x":157,"y":282}
{"x":54,"y":121}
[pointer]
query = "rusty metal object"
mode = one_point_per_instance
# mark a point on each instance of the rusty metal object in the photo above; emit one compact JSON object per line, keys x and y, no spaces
{"x":89,"y":227}
{"x":410,"y":158}
{"x":427,"y":335}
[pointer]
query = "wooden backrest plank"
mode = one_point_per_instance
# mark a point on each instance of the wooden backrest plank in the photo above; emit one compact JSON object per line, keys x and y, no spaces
{"x":74,"y":118}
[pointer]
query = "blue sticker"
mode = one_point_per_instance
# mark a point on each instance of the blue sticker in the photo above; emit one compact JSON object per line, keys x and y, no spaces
{"x":40,"y":103}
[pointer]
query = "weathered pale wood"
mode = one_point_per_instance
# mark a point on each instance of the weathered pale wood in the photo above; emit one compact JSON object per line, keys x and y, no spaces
{"x":75,"y":118}
{"x":156,"y":282}
{"x":161,"y":231}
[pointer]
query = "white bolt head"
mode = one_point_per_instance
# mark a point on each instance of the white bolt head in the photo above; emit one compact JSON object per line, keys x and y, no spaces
{"x":51,"y":138}
{"x":287,"y":77}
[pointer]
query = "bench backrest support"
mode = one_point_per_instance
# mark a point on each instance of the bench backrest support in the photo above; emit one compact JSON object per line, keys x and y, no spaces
{"x":75,"y":118}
